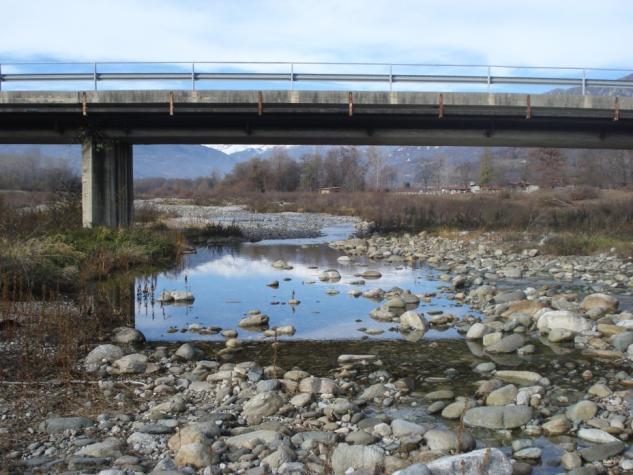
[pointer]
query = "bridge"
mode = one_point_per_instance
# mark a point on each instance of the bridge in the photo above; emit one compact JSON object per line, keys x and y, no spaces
{"x":109,"y":122}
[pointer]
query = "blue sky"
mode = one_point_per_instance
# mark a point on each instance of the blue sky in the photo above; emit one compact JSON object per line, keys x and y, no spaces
{"x":534,"y":32}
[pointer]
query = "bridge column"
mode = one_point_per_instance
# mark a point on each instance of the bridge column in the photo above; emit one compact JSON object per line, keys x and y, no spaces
{"x":107,"y":184}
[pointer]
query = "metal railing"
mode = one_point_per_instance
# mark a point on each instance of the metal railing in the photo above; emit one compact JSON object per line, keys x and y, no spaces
{"x":291,"y":75}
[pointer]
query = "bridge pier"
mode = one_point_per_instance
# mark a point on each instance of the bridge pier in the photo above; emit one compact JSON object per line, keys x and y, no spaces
{"x":107,"y":184}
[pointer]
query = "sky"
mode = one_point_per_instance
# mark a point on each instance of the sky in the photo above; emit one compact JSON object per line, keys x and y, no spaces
{"x":515,"y":32}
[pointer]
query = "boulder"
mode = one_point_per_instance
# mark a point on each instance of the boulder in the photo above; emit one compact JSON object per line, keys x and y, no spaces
{"x":56,"y":425}
{"x":596,"y":436}
{"x":262,"y":405}
{"x":522,"y":378}
{"x":255,"y":320}
{"x":402,"y":428}
{"x":102,"y":354}
{"x":598,"y":300}
{"x":194,"y":455}
{"x":130,"y":364}
{"x":582,"y":411}
{"x":127,"y":336}
{"x":411,"y":320}
{"x":448,"y":440}
{"x":502,"y":396}
{"x":507,"y":344}
{"x":330,"y":275}
{"x":314,"y":385}
{"x":489,"y":461}
{"x":498,"y":417}
{"x":562,"y":319}
{"x":358,"y":457}
{"x":245,"y":441}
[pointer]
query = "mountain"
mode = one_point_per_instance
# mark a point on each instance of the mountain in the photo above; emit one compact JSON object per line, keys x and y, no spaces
{"x":165,"y":161}
{"x":600,"y":91}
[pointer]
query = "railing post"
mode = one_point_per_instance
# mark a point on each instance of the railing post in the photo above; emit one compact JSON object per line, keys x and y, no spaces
{"x":193,"y":75}
{"x":584,"y":82}
{"x":292,"y":76}
{"x":489,"y":79}
{"x":391,"y":78}
{"x":94,"y":74}
{"x":0,"y":77}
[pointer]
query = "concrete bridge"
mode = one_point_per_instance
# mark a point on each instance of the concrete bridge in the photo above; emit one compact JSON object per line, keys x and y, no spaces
{"x":108,"y":123}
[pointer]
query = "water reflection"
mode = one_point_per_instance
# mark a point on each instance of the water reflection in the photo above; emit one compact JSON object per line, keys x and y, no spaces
{"x":228,"y":281}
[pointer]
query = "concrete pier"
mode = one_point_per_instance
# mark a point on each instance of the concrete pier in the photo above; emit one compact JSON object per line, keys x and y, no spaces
{"x":107,"y":184}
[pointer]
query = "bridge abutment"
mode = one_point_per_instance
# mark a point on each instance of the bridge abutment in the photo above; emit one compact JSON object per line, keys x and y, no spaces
{"x":107,"y":184}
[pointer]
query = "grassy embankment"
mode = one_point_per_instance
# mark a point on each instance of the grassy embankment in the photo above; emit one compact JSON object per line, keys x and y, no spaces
{"x":576,"y":221}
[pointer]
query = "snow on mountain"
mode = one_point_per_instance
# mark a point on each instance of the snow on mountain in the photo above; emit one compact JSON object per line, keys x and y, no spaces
{"x":230,"y":149}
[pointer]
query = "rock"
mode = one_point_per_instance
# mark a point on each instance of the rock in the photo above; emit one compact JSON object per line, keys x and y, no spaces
{"x":143,"y":443}
{"x":188,"y":352}
{"x":358,"y":457}
{"x":557,"y":425}
{"x":570,"y":461}
{"x":56,"y":425}
{"x":522,"y":378}
{"x":313,"y":385}
{"x":562,"y":319}
{"x":600,"y":452}
{"x":301,"y":400}
{"x":502,"y":396}
{"x":280,"y":456}
{"x":490,"y":339}
{"x":195,"y":455}
{"x":507,"y":344}
{"x":440,"y":394}
{"x":330,"y":275}
{"x":456,"y":409}
{"x":411,"y":320}
{"x":101,"y":354}
{"x":402,"y":428}
{"x":245,"y":441}
{"x":498,"y":417}
{"x":110,"y":447}
{"x":459,"y":282}
{"x":622,"y":341}
{"x":360,"y":437}
{"x":256,"y":320}
{"x":345,"y":359}
{"x":528,"y":453}
{"x":182,"y":296}
{"x":194,"y":433}
{"x":262,"y":405}
{"x":274,"y":284}
{"x":582,"y":411}
{"x":489,"y":461}
{"x":130,"y":364}
{"x":281,"y":264}
{"x":607,"y":302}
{"x":477,"y":331}
{"x":599,"y":390}
{"x":448,"y":440}
{"x":596,"y":436}
{"x":510,"y":296}
{"x":371,"y":274}
{"x":558,"y":335}
{"x":128,"y":336}
{"x":415,"y":469}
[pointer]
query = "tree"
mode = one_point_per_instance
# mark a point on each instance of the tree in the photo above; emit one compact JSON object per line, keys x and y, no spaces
{"x":486,"y":172}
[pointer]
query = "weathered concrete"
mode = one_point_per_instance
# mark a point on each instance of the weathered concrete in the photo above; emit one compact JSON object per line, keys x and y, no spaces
{"x":107,"y":184}
{"x":319,"y":117}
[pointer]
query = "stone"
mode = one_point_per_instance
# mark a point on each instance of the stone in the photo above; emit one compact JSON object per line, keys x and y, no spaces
{"x":330,"y":275}
{"x":411,"y":320}
{"x":102,"y":354}
{"x":247,"y":440}
{"x":371,"y":274}
{"x":188,"y":352}
{"x":357,"y":457}
{"x":522,"y":378}
{"x":314,"y":385}
{"x":456,"y":409}
{"x":582,"y":411}
{"x":490,"y":461}
{"x":477,"y":331}
{"x":415,"y":469}
{"x":256,"y":320}
{"x":507,"y":344}
{"x":55,"y":425}
{"x":195,"y":455}
{"x":127,"y":336}
{"x":143,"y":443}
{"x":600,"y":300}
{"x":360,"y":437}
{"x":502,"y":396}
{"x":491,"y":338}
{"x":262,"y":405}
{"x":448,"y":440}
{"x":570,"y":461}
{"x":498,"y":417}
{"x":182,"y":296}
{"x":510,"y":296}
{"x":599,"y":390}
{"x":301,"y":400}
{"x":281,"y":264}
{"x":596,"y":436}
{"x":440,"y":394}
{"x":280,"y":456}
{"x":596,"y":453}
{"x":562,"y":319}
{"x":110,"y":447}
{"x":194,"y":433}
{"x":557,"y":425}
{"x":130,"y":364}
{"x":558,"y":335}
{"x":347,"y":359}
{"x":622,"y":341}
{"x":402,"y":428}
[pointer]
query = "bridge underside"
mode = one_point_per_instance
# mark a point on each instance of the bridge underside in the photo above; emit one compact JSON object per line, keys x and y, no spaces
{"x":108,"y":123}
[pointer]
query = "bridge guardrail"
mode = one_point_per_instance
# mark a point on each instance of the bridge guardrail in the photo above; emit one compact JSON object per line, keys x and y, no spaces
{"x":293,"y":75}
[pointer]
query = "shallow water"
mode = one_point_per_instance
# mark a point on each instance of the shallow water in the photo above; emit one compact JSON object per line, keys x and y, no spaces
{"x":229,"y":281}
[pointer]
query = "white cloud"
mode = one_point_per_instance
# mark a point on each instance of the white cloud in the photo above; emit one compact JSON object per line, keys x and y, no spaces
{"x":538,"y":32}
